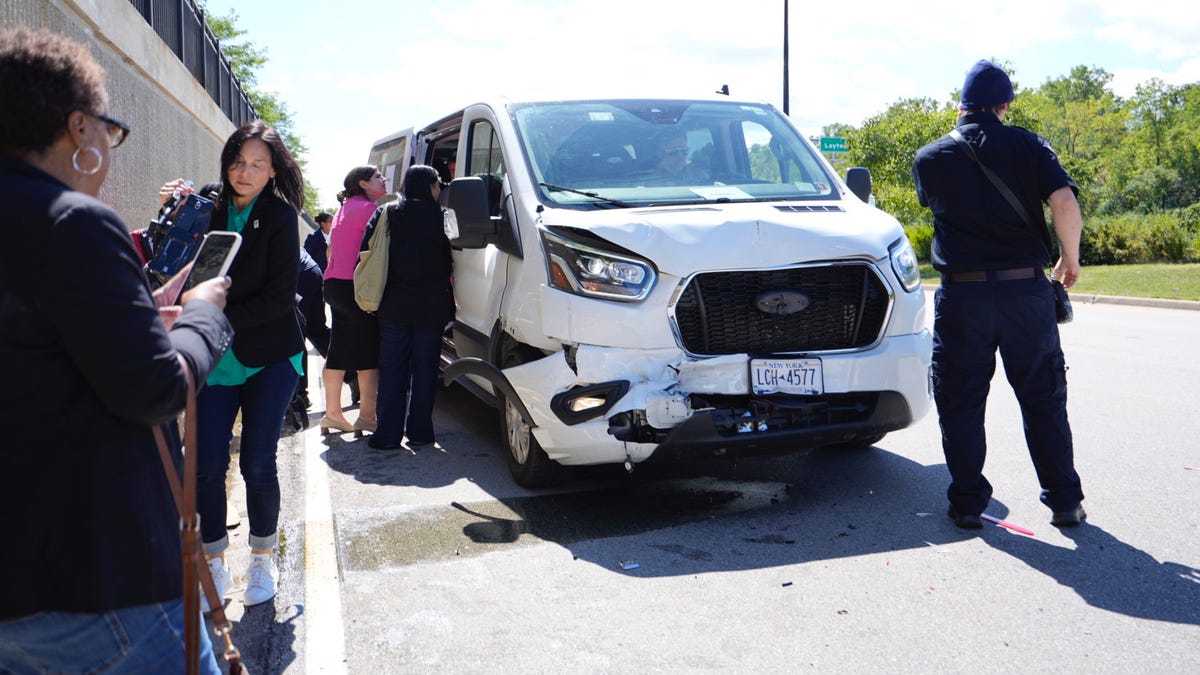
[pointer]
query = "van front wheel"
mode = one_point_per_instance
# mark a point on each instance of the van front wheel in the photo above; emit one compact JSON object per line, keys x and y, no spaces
{"x":527,"y":461}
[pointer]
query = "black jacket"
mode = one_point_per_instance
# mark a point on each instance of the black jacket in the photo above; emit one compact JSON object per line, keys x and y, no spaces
{"x":88,"y":368}
{"x":262,"y":299}
{"x":318,"y":248}
{"x":418,"y":290}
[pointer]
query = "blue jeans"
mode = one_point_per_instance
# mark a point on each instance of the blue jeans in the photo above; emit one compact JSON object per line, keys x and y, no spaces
{"x":143,"y":639}
{"x":263,"y":400}
{"x":971,"y":322}
{"x":408,"y":363}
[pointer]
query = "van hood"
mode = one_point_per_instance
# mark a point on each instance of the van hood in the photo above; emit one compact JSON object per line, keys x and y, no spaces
{"x":680,"y":240}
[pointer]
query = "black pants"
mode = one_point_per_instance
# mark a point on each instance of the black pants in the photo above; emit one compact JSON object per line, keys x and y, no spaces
{"x":408,"y":380}
{"x":972,"y":321}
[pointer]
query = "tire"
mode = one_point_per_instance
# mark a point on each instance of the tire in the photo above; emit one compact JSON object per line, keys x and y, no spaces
{"x":528,"y":463}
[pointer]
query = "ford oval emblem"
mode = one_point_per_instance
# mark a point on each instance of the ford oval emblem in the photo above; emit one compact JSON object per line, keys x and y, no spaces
{"x":781,"y":303}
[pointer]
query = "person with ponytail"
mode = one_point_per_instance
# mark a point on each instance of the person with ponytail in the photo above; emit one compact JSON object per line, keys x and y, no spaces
{"x":354,"y":334}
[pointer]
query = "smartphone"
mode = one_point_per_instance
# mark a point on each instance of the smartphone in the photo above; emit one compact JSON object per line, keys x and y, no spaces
{"x":213,"y":259}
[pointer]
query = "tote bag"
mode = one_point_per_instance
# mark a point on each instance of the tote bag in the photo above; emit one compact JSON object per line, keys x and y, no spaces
{"x":370,"y":274}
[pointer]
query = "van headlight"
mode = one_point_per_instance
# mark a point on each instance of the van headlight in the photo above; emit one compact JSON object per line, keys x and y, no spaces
{"x":591,"y":272}
{"x":904,"y":264}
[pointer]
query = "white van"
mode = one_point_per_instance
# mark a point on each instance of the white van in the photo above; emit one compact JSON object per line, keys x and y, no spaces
{"x":668,"y":278}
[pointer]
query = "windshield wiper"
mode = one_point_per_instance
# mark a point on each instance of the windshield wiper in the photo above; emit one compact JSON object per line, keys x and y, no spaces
{"x":585,"y":193}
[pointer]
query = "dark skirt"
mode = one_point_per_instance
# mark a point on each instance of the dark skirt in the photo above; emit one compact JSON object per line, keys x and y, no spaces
{"x":354,"y":335}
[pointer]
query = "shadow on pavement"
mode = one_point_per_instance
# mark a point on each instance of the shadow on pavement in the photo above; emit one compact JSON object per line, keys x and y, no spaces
{"x":722,"y":515}
{"x":1109,"y":574}
{"x":266,"y":642}
{"x":687,"y":518}
{"x":468,"y":434}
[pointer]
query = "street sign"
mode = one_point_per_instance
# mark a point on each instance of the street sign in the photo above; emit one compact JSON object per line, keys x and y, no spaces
{"x":833,"y":144}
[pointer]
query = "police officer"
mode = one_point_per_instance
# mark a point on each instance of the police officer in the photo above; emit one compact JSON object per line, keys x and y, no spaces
{"x":994,"y":293}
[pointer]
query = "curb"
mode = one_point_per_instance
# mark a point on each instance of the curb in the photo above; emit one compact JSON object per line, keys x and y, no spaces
{"x":1090,"y":299}
{"x":1137,"y":302}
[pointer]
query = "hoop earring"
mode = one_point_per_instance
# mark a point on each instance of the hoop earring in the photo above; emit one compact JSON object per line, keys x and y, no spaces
{"x":99,"y":161}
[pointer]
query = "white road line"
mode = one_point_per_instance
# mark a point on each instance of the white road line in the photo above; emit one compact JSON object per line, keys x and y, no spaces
{"x":325,"y":640}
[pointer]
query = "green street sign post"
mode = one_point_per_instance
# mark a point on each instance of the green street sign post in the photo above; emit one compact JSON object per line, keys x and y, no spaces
{"x":833,"y":144}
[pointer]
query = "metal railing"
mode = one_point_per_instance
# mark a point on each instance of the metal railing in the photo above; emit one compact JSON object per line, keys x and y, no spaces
{"x":181,"y":25}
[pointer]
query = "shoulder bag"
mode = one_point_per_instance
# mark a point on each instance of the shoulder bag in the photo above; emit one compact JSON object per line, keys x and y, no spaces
{"x":370,"y":274}
{"x":1062,"y":302}
{"x":195,"y":568}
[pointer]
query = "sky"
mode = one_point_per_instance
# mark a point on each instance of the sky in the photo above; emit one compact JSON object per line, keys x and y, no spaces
{"x":353,"y":72}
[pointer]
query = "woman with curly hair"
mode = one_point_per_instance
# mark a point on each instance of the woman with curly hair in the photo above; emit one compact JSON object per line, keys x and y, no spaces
{"x":91,"y":579}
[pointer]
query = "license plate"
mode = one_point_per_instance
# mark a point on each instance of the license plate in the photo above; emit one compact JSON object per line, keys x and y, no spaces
{"x":786,"y":376}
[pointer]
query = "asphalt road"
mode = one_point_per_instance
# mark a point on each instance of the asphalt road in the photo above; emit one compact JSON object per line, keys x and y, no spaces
{"x":434,"y":561}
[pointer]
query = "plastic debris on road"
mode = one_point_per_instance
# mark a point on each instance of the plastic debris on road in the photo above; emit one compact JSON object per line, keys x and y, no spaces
{"x":629,"y":565}
{"x":1007,"y":525}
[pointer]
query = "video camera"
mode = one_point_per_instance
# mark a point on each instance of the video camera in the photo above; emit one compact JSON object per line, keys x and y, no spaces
{"x":175,"y":236}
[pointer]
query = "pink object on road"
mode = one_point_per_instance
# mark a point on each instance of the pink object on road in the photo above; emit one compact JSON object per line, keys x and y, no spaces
{"x":1007,"y":525}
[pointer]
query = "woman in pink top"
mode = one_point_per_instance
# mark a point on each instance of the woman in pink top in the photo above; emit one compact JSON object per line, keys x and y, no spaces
{"x":354,"y":335}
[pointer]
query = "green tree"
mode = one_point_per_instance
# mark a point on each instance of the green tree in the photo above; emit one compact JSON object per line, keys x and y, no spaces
{"x":1083,"y":84}
{"x":1084,"y":123}
{"x":886,"y":144}
{"x":1166,"y":130}
{"x":763,"y":163}
{"x":246,"y":59}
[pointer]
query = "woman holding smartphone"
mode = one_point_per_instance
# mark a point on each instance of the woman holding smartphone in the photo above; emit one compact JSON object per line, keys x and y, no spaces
{"x":91,"y":577}
{"x":261,"y":190}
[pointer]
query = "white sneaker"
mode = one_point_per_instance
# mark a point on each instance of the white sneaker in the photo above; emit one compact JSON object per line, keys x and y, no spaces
{"x":222,"y":579}
{"x":262,"y":578}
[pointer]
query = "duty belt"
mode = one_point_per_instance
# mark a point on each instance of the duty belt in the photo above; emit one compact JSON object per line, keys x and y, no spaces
{"x":991,"y":275}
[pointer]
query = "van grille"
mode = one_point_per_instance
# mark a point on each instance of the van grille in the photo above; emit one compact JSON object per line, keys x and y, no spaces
{"x":847,"y":307}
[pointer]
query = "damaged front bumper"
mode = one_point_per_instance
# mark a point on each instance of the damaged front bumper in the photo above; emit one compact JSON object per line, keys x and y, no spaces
{"x":598,"y":405}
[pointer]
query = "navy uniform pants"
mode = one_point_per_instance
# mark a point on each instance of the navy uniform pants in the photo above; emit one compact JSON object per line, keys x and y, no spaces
{"x":972,"y":321}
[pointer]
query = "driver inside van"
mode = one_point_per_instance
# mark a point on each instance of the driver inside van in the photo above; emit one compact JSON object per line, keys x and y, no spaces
{"x":673,"y":167}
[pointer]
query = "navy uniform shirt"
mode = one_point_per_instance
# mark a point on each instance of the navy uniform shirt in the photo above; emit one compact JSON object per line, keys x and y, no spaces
{"x":975,"y":228}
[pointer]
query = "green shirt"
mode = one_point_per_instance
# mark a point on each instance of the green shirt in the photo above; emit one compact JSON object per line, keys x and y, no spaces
{"x":229,"y":371}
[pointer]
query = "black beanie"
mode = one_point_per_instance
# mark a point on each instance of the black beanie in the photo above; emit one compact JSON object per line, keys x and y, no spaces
{"x":986,"y":85}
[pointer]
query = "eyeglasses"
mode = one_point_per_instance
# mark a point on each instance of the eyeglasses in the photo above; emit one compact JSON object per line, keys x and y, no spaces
{"x":675,"y":152}
{"x":118,"y":131}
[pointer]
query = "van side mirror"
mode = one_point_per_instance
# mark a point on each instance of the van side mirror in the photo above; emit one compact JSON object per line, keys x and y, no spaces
{"x":467,"y":215}
{"x":469,"y":223}
{"x":858,"y":179}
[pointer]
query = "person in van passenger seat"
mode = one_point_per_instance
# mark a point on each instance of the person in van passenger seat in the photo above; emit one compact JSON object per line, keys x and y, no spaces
{"x":417,"y":303}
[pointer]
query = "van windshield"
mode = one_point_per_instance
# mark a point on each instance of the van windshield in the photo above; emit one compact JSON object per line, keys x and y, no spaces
{"x":639,"y":152}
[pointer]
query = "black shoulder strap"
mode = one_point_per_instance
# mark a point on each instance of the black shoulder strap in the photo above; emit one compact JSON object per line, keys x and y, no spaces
{"x":1004,"y":190}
